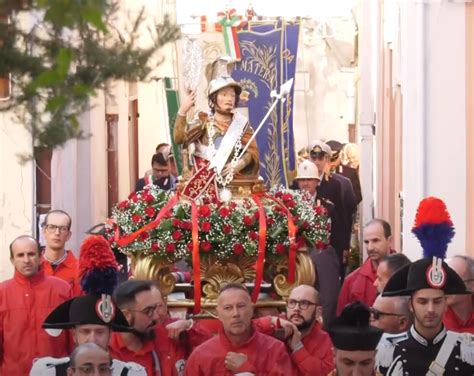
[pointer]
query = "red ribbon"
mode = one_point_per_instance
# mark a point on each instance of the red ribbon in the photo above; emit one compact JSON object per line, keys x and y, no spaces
{"x":196,"y":261}
{"x":262,"y":243}
{"x":292,"y":237}
{"x":126,"y":240}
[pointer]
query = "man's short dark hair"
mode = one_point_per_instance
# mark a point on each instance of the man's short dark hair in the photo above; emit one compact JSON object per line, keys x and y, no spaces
{"x":57,"y":211}
{"x":85,"y":346}
{"x":38,"y":247}
{"x":395,"y":261}
{"x":125,"y":293}
{"x":233,"y":286}
{"x":387,"y":229}
{"x":160,"y":159}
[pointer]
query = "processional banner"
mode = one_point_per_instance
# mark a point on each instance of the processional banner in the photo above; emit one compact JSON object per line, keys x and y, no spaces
{"x":268,"y":59}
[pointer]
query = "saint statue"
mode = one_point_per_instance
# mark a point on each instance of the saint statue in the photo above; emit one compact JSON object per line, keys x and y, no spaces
{"x":214,"y":141}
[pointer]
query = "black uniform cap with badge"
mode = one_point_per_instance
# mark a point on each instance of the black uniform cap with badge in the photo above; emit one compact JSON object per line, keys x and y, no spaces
{"x":319,"y":149}
{"x":351,"y":330}
{"x":336,"y":148}
{"x":434,"y":230}
{"x":98,"y":272}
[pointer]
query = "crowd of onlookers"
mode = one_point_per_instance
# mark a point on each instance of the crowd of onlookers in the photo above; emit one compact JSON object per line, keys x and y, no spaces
{"x":50,"y":324}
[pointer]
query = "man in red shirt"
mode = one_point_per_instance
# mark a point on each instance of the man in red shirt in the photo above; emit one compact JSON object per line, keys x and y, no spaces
{"x":310,"y":347}
{"x":238,"y":348}
{"x":460,"y":314}
{"x":25,"y":301}
{"x":56,"y":261}
{"x":359,"y":285}
{"x":142,"y":304}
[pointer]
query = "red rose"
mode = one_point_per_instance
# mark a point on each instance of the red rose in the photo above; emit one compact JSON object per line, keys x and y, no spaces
{"x":318,"y":209}
{"x":270,"y":221}
{"x":227,"y":229}
{"x":287,"y":197}
{"x":232,"y":205}
{"x":146,"y":196}
{"x":253,"y":235}
{"x":190,"y":246}
{"x":305,"y":225}
{"x":204,"y":211}
{"x":206,"y":246}
{"x":155,"y":247}
{"x":278,"y":195}
{"x":150,"y":211}
{"x":238,"y":248}
{"x":136,"y":218}
{"x":290,"y":204}
{"x":256,"y":215}
{"x":176,"y":222}
{"x":248,"y":221}
{"x":176,"y":235}
{"x":144,"y":235}
{"x":123,"y":205}
{"x":206,"y":226}
{"x":186,"y":225}
{"x":133,"y":196}
{"x":224,"y":212}
{"x":280,"y":248}
{"x":170,"y":247}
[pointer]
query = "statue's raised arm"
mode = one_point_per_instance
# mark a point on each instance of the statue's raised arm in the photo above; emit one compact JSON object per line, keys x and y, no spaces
{"x":213,"y":142}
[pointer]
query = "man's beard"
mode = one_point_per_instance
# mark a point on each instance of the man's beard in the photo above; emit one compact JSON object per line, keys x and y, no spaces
{"x":306,"y":324}
{"x":146,"y":335}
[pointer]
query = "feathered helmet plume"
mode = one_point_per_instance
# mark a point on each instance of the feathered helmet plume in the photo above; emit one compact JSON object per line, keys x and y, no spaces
{"x":433,"y":227}
{"x":98,"y":269}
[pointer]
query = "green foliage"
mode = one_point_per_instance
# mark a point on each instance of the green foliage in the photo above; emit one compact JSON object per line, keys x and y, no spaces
{"x":66,"y":51}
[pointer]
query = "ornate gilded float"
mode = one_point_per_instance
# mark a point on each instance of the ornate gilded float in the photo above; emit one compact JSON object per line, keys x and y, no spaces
{"x":257,"y":239}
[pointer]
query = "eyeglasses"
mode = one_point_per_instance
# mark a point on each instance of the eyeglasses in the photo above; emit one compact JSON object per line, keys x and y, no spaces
{"x":303,"y":304}
{"x":52,"y":228}
{"x":375,"y":313}
{"x":88,"y":369}
{"x":148,"y":311}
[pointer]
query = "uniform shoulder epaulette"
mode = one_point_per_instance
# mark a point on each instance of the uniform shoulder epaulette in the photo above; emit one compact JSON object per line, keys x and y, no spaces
{"x":47,"y":366}
{"x":386,"y":348}
{"x":466,"y":345}
{"x":134,"y":369}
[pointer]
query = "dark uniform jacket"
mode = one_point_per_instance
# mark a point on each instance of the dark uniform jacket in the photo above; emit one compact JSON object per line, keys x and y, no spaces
{"x":410,"y":354}
{"x":353,"y":176}
{"x":330,"y":190}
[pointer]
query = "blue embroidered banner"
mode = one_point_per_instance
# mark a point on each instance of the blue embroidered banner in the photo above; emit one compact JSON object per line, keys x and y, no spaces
{"x":268,"y":60}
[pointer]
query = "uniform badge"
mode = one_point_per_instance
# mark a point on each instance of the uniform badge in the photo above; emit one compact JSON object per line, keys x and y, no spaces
{"x":435,"y":274}
{"x":105,"y":308}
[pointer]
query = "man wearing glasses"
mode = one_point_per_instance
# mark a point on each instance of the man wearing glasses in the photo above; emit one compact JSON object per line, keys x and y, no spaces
{"x":391,"y":314}
{"x":460,"y":314}
{"x":90,"y":359}
{"x":148,"y":344}
{"x":310,"y":346}
{"x":56,"y":261}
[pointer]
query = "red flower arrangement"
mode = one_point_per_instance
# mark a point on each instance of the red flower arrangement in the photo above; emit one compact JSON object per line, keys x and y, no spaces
{"x":225,"y":229}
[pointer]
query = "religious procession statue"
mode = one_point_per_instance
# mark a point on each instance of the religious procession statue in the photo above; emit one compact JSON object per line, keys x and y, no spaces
{"x":213,"y":144}
{"x":222,"y":221}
